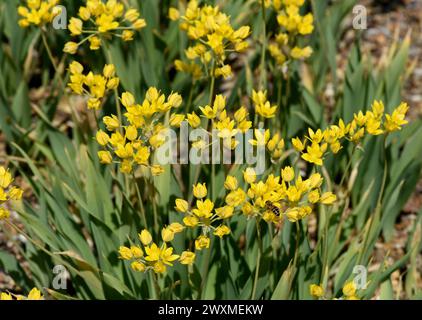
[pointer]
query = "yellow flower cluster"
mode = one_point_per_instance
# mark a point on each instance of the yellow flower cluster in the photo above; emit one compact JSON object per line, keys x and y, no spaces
{"x":205,"y":216}
{"x":213,"y":37}
{"x":226,"y":126}
{"x":278,"y":196}
{"x":7,"y":192}
{"x":34,"y":294}
{"x":349,"y":291}
{"x":37,"y":12}
{"x":373,"y":122}
{"x":133,"y":144}
{"x":283,"y":47}
{"x":154,"y":257}
{"x":102,"y":20}
{"x":262,"y":106}
{"x":94,"y":86}
{"x":274,"y":145}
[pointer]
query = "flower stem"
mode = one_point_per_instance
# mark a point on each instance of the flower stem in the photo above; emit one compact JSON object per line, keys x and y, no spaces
{"x":205,"y":273}
{"x":263,"y":79}
{"x":258,"y":259}
{"x":141,"y":205}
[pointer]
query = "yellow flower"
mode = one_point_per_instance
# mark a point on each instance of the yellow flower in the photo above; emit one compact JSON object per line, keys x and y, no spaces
{"x":187,"y":258}
{"x":124,"y":151}
{"x":301,"y":53}
{"x":349,"y":289}
{"x":204,"y":208}
{"x":132,"y":15}
{"x":94,"y":103}
{"x":70,"y":47}
{"x":126,"y":166}
{"x":94,"y":43}
{"x":137,"y":252}
{"x":190,"y":221}
{"x":125,"y":253}
{"x":288,"y":174}
{"x":5,"y":296}
{"x":225,"y":71}
{"x":202,"y":242}
{"x":221,"y":231}
{"x":5,"y":178}
{"x":236,"y":198}
{"x":266,"y":110}
{"x":105,"y":157}
{"x":167,"y":234}
{"x":224,"y":212}
{"x":109,"y":70}
{"x":230,"y":183}
{"x":112,"y":123}
{"x":176,"y":227}
{"x":208,"y":112}
{"x":15,"y":193}
{"x":328,"y":198}
{"x":4,"y":213}
{"x":145,"y":237}
{"x":174,"y":14}
{"x":175,"y":100}
{"x":127,"y":35}
{"x":313,"y":196}
{"x":200,"y":190}
{"x":249,"y":175}
{"x":37,"y":12}
{"x":396,"y":120}
{"x":193,"y":120}
{"x":293,"y":214}
{"x":182,"y":205}
{"x":139,"y":24}
{"x":314,"y":153}
{"x":35,"y":294}
{"x":298,"y":145}
{"x":157,"y":170}
{"x":138,"y":266}
{"x":316,"y":290}
{"x":75,"y":26}
{"x":176,"y":120}
{"x":163,"y":255}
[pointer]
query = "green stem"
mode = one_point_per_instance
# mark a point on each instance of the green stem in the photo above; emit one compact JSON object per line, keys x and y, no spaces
{"x":263,"y":79}
{"x":156,"y":286}
{"x":205,"y":273}
{"x":75,"y":115}
{"x":141,"y":205}
{"x":379,"y":204}
{"x":258,"y":259}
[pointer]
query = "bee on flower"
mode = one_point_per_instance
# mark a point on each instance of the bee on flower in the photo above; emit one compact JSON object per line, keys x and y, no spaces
{"x":99,"y":21}
{"x":8,"y":192}
{"x":213,"y":38}
{"x":282,"y":196}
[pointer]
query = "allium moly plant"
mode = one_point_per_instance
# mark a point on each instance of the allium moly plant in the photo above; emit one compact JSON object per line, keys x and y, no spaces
{"x":88,"y":132}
